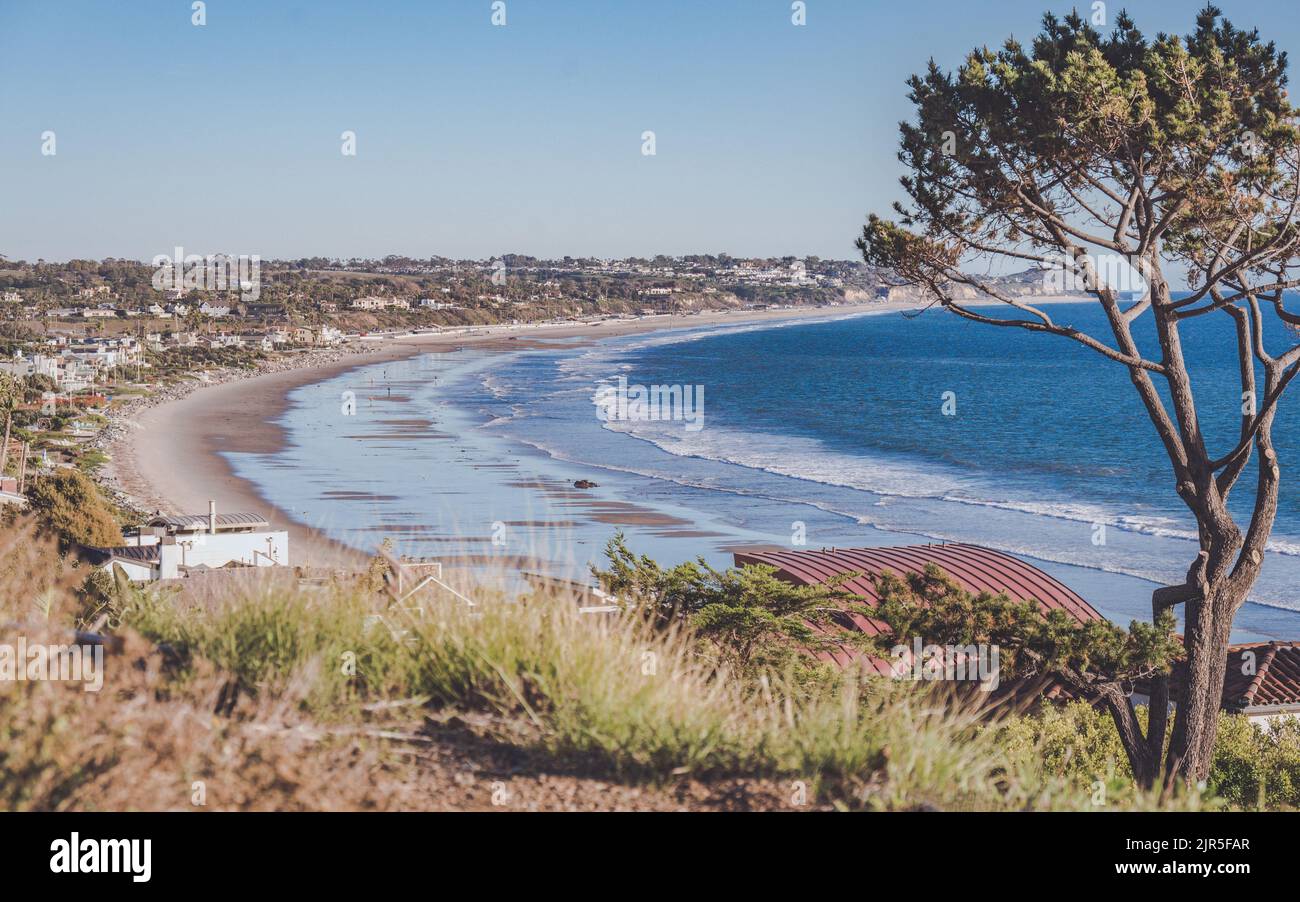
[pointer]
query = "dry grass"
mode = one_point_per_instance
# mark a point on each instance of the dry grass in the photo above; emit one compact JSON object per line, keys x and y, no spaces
{"x":277,"y":695}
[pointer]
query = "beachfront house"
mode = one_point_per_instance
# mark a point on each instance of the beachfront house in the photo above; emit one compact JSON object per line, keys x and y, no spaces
{"x":260,"y":341}
{"x":224,"y":340}
{"x":72,"y":369}
{"x":187,"y":545}
{"x":974,"y":568}
{"x":1261,"y":680}
{"x":1274,"y":691}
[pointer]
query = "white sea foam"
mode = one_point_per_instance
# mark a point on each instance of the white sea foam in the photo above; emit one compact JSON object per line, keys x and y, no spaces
{"x":808,"y":459}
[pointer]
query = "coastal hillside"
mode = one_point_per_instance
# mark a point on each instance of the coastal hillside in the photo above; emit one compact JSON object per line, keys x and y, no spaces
{"x":284,"y":692}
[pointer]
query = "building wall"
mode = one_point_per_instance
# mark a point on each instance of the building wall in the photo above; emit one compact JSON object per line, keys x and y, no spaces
{"x":136,"y":572}
{"x":217,"y":550}
{"x":1269,"y":721}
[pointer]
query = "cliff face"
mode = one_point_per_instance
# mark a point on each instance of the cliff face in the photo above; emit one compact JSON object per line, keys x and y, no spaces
{"x":1026,"y":284}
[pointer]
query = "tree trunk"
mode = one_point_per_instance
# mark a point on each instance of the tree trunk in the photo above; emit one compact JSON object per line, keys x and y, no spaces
{"x":4,"y":452}
{"x":1200,"y":694}
{"x":1143,"y":754}
{"x":1144,"y":764}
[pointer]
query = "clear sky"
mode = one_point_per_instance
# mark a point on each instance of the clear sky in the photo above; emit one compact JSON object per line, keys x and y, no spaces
{"x":473,"y":139}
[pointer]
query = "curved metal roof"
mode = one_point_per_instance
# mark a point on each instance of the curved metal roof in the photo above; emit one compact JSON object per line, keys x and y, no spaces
{"x":200,"y":521}
{"x":974,"y":568}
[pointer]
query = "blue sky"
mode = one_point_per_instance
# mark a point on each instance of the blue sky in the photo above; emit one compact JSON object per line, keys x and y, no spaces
{"x":475,"y":140}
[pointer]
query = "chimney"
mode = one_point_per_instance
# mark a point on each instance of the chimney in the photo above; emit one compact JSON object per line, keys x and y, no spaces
{"x":169,"y":555}
{"x":212,"y":516}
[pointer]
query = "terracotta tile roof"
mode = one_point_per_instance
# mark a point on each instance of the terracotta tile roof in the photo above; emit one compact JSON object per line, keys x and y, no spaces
{"x":1262,"y":674}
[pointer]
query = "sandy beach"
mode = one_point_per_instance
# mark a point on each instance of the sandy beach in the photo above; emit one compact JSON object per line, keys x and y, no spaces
{"x":169,"y":458}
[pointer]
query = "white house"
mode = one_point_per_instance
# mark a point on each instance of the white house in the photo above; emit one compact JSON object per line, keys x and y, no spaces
{"x":18,"y":365}
{"x":170,"y":547}
{"x":262,"y":342}
{"x":375,"y":302}
{"x":9,"y":493}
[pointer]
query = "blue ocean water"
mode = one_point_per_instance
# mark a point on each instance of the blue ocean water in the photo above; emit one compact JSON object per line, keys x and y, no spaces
{"x":876,"y":429}
{"x":1033,"y":423}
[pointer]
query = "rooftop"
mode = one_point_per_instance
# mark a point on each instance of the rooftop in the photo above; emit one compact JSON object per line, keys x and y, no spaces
{"x":974,"y":568}
{"x":1271,"y":678}
{"x":199,"y":522}
{"x":140,"y":554}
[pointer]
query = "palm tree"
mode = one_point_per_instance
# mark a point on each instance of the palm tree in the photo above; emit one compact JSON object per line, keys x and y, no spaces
{"x":10,"y":393}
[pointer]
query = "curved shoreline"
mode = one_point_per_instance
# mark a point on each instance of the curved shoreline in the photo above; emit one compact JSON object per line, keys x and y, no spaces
{"x":170,"y":457}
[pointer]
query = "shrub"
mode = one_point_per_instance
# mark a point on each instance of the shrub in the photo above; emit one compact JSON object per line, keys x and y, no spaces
{"x":1257,"y":767}
{"x":1254,"y":766}
{"x":68,"y":503}
{"x":750,"y":618}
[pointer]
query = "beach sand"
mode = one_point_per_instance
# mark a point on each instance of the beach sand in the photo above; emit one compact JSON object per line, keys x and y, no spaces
{"x":170,"y":458}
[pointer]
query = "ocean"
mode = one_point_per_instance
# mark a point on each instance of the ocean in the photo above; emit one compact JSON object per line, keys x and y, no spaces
{"x":862,"y":430}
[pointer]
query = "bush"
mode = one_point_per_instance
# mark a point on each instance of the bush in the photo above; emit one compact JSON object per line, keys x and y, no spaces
{"x":1254,"y":768}
{"x":616,"y":696}
{"x":69,"y":504}
{"x":1074,"y":742}
{"x":752,"y":620}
